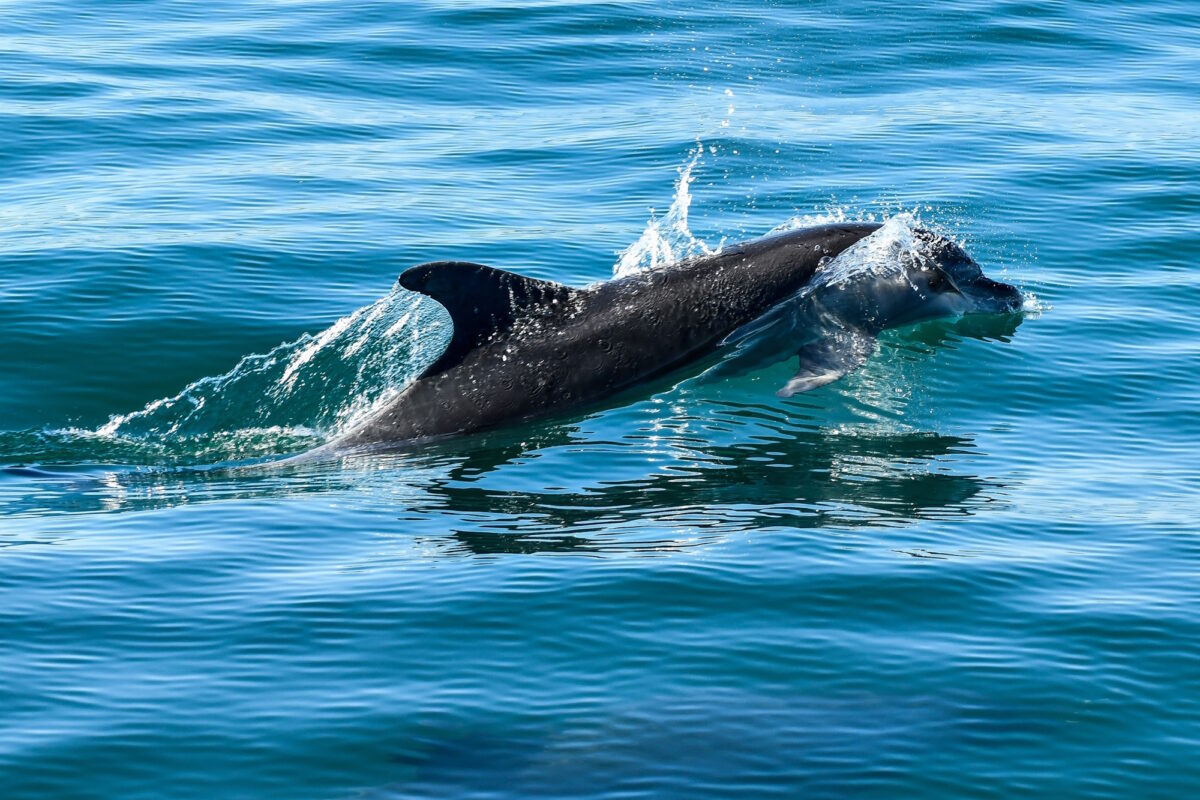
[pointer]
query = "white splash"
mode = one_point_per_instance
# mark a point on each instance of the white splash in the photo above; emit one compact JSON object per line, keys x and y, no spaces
{"x":884,"y":252}
{"x":317,"y":385}
{"x":831,"y":215}
{"x":317,"y":344}
{"x":669,"y":240}
{"x":1033,"y":305}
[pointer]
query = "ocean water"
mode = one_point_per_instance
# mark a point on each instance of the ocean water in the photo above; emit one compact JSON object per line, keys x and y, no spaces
{"x":970,"y":569}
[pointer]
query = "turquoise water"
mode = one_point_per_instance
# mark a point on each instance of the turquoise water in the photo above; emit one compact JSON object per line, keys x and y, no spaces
{"x":970,"y":569}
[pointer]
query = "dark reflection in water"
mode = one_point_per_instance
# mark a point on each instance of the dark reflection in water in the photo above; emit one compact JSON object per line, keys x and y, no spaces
{"x":984,"y":327}
{"x":770,"y":471}
{"x":811,"y":479}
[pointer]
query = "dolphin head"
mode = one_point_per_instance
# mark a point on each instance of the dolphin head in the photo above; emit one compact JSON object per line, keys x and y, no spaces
{"x":930,"y":277}
{"x":943,"y":271}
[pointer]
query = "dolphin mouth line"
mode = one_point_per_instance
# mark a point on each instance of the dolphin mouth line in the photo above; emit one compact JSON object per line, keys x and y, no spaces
{"x":1005,"y":297}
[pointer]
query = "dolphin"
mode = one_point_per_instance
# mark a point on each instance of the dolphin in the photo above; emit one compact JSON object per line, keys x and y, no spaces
{"x":523,"y":348}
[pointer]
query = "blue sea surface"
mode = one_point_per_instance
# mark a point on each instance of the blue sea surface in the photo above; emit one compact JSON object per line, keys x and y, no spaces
{"x":969,"y":569}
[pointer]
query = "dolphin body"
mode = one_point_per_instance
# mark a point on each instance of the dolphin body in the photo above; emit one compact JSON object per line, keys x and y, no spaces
{"x":523,"y":348}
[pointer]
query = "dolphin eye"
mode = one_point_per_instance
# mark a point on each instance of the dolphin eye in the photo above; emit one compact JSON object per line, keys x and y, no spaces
{"x":939,"y":281}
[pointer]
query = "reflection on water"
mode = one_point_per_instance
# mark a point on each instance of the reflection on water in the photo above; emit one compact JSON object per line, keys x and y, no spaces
{"x":811,"y":479}
{"x":731,"y":467}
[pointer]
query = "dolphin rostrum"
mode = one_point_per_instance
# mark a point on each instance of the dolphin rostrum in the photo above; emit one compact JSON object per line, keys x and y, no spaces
{"x":523,"y":348}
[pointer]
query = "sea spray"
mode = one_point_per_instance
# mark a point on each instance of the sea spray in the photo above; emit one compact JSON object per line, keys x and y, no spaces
{"x":319,"y":382}
{"x":291,"y":398}
{"x":668,"y":240}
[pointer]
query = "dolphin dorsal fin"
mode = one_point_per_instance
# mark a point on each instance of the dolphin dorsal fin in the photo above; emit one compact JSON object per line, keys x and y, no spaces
{"x":483,"y":302}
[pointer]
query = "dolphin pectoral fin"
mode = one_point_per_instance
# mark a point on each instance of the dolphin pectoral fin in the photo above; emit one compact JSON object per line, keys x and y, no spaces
{"x":829,"y":359}
{"x":743,"y":358}
{"x":483,"y":302}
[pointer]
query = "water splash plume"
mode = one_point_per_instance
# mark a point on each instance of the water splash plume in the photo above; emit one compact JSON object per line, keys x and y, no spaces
{"x":293,"y":397}
{"x":669,"y":240}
